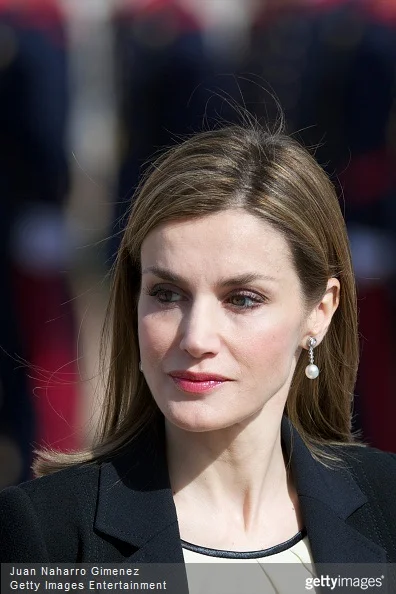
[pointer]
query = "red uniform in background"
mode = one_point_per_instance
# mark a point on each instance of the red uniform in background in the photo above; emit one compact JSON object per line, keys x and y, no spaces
{"x":34,"y":182}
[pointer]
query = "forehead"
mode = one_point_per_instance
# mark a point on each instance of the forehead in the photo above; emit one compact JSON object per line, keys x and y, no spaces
{"x":227,"y":242}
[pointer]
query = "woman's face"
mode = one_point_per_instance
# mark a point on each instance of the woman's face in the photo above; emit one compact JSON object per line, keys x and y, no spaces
{"x":220,"y":297}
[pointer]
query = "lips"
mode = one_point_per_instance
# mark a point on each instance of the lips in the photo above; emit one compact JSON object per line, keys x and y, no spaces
{"x":198,"y":377}
{"x":197,"y":383}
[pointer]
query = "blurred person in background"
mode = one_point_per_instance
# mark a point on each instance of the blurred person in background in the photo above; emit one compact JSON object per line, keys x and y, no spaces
{"x":37,"y":328}
{"x":16,"y":405}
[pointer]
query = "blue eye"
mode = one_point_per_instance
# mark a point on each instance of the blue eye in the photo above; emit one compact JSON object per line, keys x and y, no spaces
{"x":242,"y":301}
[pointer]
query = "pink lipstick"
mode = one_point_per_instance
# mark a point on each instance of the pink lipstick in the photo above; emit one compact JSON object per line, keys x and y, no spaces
{"x":197,"y":382}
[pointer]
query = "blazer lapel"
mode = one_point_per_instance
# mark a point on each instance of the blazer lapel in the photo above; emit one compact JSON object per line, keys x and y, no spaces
{"x":135,"y":505}
{"x":328,"y":497}
{"x":135,"y":502}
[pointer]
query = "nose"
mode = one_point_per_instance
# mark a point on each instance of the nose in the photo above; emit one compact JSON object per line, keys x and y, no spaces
{"x":200,"y":332}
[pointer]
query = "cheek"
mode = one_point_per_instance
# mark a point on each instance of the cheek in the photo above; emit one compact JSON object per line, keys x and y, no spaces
{"x":155,"y":337}
{"x":270,"y":348}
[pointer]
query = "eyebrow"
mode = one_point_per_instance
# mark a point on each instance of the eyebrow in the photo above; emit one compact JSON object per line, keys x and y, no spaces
{"x":242,"y":279}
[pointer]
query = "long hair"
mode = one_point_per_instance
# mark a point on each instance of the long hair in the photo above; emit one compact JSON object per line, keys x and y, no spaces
{"x":272,"y":177}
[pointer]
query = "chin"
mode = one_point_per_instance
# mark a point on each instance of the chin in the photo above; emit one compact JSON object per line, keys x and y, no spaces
{"x":194,"y":417}
{"x":198,"y":418}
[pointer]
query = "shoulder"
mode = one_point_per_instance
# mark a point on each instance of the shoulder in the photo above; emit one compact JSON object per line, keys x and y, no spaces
{"x":374,"y":471}
{"x":63,"y":488}
{"x":35,"y":514}
{"x":368,"y":459}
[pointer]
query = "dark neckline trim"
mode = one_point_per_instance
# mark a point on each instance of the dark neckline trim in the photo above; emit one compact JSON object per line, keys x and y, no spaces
{"x":283,"y":546}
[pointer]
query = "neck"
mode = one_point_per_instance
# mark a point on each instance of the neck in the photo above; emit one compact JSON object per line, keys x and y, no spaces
{"x":238,"y":471}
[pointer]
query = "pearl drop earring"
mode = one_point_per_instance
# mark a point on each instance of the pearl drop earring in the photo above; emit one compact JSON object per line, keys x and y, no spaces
{"x":311,"y":370}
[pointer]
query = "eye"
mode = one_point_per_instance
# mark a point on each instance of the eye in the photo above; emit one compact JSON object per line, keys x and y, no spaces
{"x":246,"y":300}
{"x":164,"y":295}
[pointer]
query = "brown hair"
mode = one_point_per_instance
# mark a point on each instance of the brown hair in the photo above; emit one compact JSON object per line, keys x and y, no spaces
{"x":272,"y":177}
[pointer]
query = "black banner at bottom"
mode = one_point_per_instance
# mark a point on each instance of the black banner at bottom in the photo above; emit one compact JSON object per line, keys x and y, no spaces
{"x":199,"y":578}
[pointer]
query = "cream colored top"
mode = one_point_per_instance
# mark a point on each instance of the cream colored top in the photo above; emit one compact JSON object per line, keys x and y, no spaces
{"x":286,"y":568}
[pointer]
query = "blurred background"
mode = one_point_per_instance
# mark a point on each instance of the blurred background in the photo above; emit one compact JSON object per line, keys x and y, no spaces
{"x":90,"y":90}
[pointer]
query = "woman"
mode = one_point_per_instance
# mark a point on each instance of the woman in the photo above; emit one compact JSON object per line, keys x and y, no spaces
{"x":227,"y":424}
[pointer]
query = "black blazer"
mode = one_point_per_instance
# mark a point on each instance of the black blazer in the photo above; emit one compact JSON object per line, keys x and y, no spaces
{"x":123,"y":510}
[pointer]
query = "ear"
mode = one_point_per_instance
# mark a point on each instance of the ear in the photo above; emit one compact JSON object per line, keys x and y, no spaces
{"x":320,"y":317}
